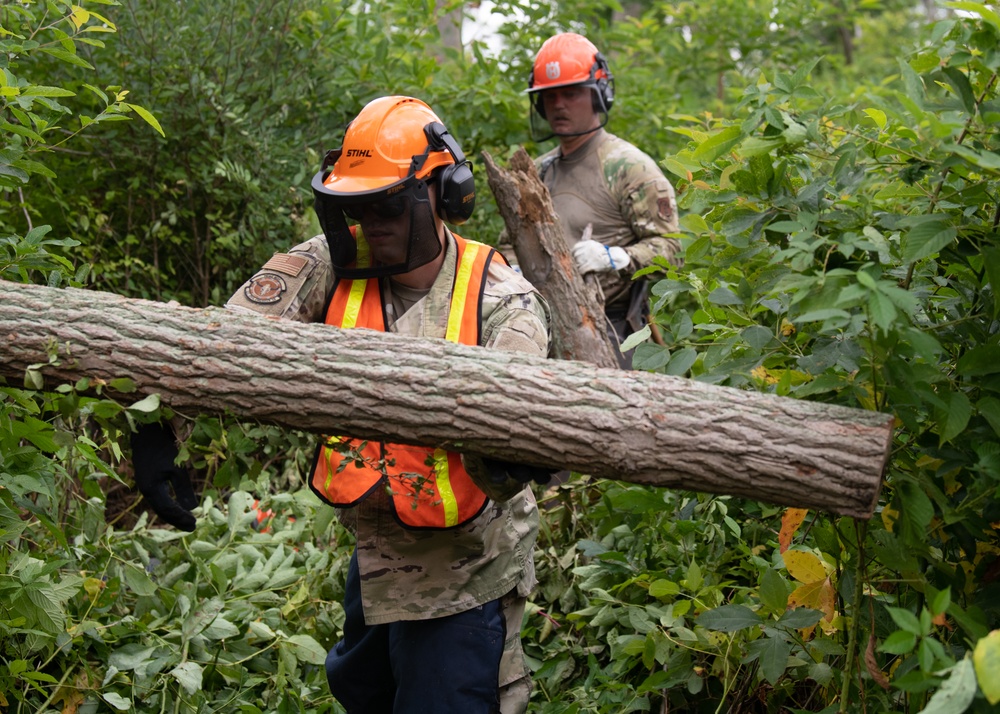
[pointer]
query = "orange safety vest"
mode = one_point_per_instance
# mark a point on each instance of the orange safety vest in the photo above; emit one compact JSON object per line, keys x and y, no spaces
{"x":429,"y":487}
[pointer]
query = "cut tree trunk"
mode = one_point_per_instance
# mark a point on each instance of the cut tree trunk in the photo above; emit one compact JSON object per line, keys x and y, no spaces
{"x":633,"y":426}
{"x":579,"y":328}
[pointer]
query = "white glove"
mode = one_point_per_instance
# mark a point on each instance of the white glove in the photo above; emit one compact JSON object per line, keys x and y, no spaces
{"x":594,"y":257}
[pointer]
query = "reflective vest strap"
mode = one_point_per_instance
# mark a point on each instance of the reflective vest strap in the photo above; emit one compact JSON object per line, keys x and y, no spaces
{"x":356,"y":302}
{"x":464,"y":321}
{"x":442,"y":477}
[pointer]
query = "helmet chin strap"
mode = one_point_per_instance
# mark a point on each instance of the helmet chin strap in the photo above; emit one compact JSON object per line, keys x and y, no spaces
{"x":558,"y":134}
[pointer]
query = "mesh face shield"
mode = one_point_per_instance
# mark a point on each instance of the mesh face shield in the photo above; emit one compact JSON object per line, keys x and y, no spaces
{"x":377,"y":233}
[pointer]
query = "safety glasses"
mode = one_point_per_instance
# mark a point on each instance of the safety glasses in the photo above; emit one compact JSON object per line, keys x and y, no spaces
{"x":387,"y":208}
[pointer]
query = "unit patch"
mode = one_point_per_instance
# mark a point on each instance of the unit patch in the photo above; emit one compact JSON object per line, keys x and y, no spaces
{"x":665,"y":207}
{"x":265,"y":288}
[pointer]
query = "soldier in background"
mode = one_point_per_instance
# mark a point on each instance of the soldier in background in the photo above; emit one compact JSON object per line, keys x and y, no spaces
{"x":615,"y":205}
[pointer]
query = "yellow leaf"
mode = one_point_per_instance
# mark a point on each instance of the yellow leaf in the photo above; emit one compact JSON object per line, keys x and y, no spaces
{"x":79,"y":17}
{"x":804,"y":567}
{"x":986,"y":659}
{"x":889,"y":517}
{"x":790,"y":522}
{"x":818,"y":596}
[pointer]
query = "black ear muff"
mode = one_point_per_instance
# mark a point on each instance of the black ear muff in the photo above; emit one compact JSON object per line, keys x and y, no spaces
{"x":605,"y":86}
{"x":456,"y":184}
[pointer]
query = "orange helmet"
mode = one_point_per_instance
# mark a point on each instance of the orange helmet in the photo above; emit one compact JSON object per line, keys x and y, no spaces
{"x":391,"y":150}
{"x":564,"y":60}
{"x":381,"y":147}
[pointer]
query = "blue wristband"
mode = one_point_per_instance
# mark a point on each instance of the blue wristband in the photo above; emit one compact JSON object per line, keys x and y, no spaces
{"x":610,"y":259}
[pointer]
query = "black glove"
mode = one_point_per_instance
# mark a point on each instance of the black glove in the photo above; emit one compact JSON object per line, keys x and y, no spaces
{"x":154,"y":449}
{"x":500,"y":471}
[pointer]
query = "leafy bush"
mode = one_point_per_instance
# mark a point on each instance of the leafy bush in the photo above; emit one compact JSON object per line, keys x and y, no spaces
{"x":840,"y":242}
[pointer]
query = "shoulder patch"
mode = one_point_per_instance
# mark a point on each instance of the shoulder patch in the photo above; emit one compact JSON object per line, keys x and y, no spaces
{"x":665,"y":207}
{"x":265,"y":288}
{"x":286,"y":263}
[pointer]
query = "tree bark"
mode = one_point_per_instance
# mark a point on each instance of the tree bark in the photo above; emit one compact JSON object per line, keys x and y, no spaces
{"x":633,"y":426}
{"x":579,"y":328}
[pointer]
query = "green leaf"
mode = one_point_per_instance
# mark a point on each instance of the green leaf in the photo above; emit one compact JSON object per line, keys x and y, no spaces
{"x":926,"y":239}
{"x":306,"y":649}
{"x":979,"y":361}
{"x":917,"y":508}
{"x":636,"y":337}
{"x":755,"y":146}
{"x":956,"y":693}
{"x":772,"y":653}
{"x":138,"y":580}
{"x":905,"y":619}
{"x":66,"y":57}
{"x":986,"y":659}
{"x":724,"y":296}
{"x":717,"y":144}
{"x":147,"y":116}
{"x":40,"y":91}
{"x":912,"y":85}
{"x":117,"y":701}
{"x":663,"y":588}
{"x":146,"y":405}
{"x":189,"y":675}
{"x":991,"y":262}
{"x":729,"y":618}
{"x":960,"y":83}
{"x":984,"y":160}
{"x":899,"y":642}
{"x":773,"y":590}
{"x":878,"y":116}
{"x":989,"y":409}
{"x":800,"y":617}
{"x":953,"y":419}
{"x":681,"y":361}
{"x":881,"y":309}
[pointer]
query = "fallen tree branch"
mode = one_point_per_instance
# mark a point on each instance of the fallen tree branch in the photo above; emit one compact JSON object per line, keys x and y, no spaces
{"x":633,"y":426}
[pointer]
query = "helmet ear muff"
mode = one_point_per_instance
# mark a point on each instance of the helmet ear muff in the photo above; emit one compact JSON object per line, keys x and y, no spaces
{"x":605,"y":87}
{"x":456,"y":185}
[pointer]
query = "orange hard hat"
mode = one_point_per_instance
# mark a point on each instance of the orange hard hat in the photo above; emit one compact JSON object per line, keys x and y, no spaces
{"x":566,"y":59}
{"x":384,"y":145}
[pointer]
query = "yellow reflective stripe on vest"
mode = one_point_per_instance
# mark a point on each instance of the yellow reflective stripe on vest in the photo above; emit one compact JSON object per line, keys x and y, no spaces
{"x":353,"y":308}
{"x":441,"y":477}
{"x":462,"y":277}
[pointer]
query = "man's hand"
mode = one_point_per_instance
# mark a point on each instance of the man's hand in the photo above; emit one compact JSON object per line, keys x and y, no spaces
{"x":500,"y":471}
{"x":154,"y":450}
{"x":593,"y":257}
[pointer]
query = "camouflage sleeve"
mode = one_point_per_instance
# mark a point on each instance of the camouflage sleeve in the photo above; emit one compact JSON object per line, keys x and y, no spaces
{"x":293,"y":285}
{"x":515,"y":319}
{"x":650,"y":207}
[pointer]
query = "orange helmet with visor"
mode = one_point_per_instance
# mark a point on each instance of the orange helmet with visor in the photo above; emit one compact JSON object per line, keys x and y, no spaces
{"x":391,"y":151}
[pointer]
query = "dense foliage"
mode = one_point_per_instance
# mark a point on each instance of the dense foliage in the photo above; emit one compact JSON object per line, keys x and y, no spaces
{"x":840,"y":215}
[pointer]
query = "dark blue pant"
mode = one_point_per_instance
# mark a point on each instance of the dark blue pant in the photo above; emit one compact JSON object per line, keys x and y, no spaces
{"x":448,"y":665}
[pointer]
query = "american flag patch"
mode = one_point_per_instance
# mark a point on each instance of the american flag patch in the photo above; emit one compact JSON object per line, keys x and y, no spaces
{"x":284,"y":263}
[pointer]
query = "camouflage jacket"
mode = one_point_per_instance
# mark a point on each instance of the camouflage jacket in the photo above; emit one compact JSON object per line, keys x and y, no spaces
{"x":623,"y":194}
{"x":423,"y":574}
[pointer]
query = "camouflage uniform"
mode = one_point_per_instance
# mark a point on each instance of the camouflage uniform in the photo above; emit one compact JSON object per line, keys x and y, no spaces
{"x":623,"y":194}
{"x":424,"y":574}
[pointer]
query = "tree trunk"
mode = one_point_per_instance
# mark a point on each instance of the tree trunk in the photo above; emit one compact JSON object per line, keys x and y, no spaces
{"x":579,"y":328}
{"x":634,"y":426}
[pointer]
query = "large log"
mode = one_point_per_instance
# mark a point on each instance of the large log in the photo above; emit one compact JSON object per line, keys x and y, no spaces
{"x":579,"y":329}
{"x":633,"y":426}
